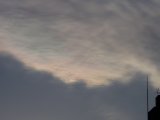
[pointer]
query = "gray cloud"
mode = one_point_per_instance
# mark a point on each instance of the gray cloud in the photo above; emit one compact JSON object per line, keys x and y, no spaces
{"x":84,"y":39}
{"x":97,"y":42}
{"x":30,"y":94}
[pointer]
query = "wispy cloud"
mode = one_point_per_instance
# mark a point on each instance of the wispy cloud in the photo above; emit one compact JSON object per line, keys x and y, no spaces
{"x":96,"y":41}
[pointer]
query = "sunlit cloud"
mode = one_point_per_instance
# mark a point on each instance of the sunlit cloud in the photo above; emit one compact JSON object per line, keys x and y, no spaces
{"x":94,"y":41}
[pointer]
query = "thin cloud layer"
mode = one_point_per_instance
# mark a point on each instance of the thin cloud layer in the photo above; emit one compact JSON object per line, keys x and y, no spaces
{"x":96,"y":41}
{"x":30,"y":94}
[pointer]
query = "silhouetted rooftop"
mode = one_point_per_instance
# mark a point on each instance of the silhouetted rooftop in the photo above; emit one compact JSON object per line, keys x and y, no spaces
{"x":154,"y":113}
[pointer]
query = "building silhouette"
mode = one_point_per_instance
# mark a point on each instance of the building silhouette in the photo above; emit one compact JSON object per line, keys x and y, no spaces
{"x":154,"y":113}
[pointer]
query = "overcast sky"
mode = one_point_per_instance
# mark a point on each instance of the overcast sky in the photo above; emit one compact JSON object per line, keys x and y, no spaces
{"x":78,"y":59}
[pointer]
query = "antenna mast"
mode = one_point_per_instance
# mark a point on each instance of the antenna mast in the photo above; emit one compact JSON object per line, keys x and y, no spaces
{"x":147,"y":98}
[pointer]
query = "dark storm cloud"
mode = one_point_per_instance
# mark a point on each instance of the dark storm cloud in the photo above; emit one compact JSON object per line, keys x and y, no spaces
{"x":37,"y":95}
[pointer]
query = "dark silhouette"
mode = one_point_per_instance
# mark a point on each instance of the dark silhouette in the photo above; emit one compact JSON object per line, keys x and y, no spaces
{"x":154,"y":113}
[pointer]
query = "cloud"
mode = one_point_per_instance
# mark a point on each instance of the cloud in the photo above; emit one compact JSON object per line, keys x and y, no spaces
{"x":30,"y":94}
{"x":97,"y":41}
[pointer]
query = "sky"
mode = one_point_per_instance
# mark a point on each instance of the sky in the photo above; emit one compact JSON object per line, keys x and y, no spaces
{"x":78,"y":59}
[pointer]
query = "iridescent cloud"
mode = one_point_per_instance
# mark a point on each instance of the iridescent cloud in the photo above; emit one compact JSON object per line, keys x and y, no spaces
{"x":95,"y":41}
